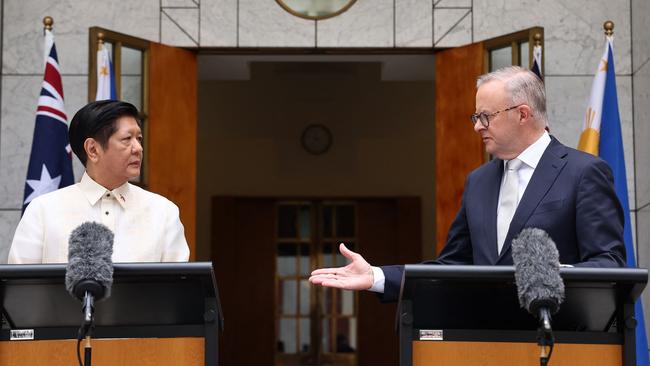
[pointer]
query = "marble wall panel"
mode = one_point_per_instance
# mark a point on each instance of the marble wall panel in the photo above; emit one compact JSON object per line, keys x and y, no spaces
{"x":180,"y":3}
{"x":641,"y":80}
{"x":8,"y":222}
{"x":452,"y":27}
{"x":640,"y":40}
{"x":23,"y":36}
{"x":368,"y":23}
{"x":218,"y":23}
{"x":413,"y":23}
{"x":452,"y":3}
{"x":267,"y":24}
{"x":573,"y":30}
{"x":179,"y":27}
{"x":566,"y":104}
{"x":19,"y":99}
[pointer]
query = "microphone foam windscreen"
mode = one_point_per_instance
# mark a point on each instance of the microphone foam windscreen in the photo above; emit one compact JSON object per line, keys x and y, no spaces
{"x":537,"y":269}
{"x":90,"y":249}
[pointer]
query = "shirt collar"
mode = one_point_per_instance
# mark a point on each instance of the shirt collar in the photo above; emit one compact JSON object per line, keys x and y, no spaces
{"x":94,"y":191}
{"x":534,"y":152}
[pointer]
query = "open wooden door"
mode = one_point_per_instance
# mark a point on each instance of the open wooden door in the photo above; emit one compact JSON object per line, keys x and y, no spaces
{"x":459,"y":150}
{"x":171,"y":131}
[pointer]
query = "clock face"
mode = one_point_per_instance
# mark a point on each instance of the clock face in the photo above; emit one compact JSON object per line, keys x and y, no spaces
{"x":316,"y":139}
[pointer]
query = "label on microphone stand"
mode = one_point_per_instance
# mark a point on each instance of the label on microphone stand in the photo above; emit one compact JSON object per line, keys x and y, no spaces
{"x":431,"y":335}
{"x":21,"y":334}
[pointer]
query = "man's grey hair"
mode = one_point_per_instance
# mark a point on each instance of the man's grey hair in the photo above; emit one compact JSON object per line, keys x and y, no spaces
{"x":523,"y":87}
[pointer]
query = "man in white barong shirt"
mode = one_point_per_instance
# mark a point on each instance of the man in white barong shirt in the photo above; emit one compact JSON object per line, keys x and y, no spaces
{"x":107,"y":138}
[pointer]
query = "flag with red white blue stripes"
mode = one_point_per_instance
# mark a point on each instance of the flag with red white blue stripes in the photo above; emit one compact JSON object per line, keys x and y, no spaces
{"x":50,"y":161}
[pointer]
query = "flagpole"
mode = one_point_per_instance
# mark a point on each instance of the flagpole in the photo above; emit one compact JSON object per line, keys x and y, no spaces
{"x":100,"y":41}
{"x":47,"y":23}
{"x":609,"y":28}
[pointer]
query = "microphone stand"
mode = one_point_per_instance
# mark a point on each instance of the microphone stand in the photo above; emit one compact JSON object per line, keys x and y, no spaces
{"x":86,"y":329}
{"x":545,"y":338}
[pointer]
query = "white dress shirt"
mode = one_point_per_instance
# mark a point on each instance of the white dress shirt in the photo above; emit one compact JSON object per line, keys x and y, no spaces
{"x":146,"y":226}
{"x":529,"y":157}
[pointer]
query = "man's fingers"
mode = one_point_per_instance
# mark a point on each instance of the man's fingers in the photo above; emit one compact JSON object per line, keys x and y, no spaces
{"x":322,"y":271}
{"x":322,"y":277}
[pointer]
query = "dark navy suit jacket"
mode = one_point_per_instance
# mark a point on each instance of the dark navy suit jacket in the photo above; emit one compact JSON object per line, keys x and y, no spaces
{"x":570,"y":196}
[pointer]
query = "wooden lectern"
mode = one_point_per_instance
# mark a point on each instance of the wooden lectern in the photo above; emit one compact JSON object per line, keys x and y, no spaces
{"x":470,"y":315}
{"x":157,"y":314}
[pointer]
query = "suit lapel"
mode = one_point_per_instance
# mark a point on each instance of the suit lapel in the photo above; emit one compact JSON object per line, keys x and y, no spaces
{"x":547,"y":170}
{"x":491,"y":195}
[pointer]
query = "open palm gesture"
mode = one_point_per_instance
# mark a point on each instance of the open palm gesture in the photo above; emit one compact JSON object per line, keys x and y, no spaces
{"x":357,"y":275}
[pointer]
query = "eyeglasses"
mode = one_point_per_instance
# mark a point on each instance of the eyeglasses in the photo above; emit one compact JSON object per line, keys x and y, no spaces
{"x":485,"y":117}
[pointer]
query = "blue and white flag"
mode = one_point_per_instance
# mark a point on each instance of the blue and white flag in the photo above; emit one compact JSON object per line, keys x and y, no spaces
{"x":602,"y":136}
{"x":105,"y":75}
{"x":50,"y":162}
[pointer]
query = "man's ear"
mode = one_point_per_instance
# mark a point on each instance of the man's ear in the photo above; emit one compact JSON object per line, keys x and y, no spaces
{"x":525,"y":113}
{"x":93,"y":149}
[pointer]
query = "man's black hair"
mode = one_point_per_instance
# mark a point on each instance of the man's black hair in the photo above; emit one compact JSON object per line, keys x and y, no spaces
{"x":97,"y":120}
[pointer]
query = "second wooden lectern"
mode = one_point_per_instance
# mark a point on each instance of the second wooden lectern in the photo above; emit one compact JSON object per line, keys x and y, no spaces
{"x":470,"y":315}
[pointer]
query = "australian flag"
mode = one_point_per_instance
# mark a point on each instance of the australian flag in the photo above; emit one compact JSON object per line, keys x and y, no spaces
{"x":50,"y":162}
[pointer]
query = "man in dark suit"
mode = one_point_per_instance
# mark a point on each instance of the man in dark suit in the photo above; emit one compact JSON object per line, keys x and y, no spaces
{"x":534,"y":181}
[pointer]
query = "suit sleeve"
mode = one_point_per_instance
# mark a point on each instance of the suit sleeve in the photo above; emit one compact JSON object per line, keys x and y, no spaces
{"x":599,"y":219}
{"x":458,"y":249}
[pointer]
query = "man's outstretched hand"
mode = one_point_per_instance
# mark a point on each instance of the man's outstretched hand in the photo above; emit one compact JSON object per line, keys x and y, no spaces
{"x":355,"y":276}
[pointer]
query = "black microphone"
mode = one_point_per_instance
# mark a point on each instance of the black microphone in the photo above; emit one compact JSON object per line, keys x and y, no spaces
{"x":539,"y":285}
{"x":89,"y":273}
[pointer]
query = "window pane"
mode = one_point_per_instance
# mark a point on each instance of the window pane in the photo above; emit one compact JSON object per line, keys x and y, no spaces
{"x":289,"y":296}
{"x":131,"y":61}
{"x":326,"y":335}
{"x":523,"y":55}
{"x":305,"y":222}
{"x":347,"y":302}
{"x":500,"y":57}
{"x":286,"y":260}
{"x":305,"y":265}
{"x":305,"y":336}
{"x":287,"y":222}
{"x":326,"y":302}
{"x":345,"y":221}
{"x":287,"y":337}
{"x":305,"y":291}
{"x":327,"y":221}
{"x":131,"y":76}
{"x":343,"y":343}
{"x":327,"y":254}
{"x":132,"y":90}
{"x":353,"y":332}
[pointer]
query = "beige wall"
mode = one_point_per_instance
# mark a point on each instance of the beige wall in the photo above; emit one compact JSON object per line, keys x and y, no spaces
{"x":249,"y":138}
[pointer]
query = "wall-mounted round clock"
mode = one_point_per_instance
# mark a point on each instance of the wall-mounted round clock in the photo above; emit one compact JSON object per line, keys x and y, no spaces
{"x":316,"y":139}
